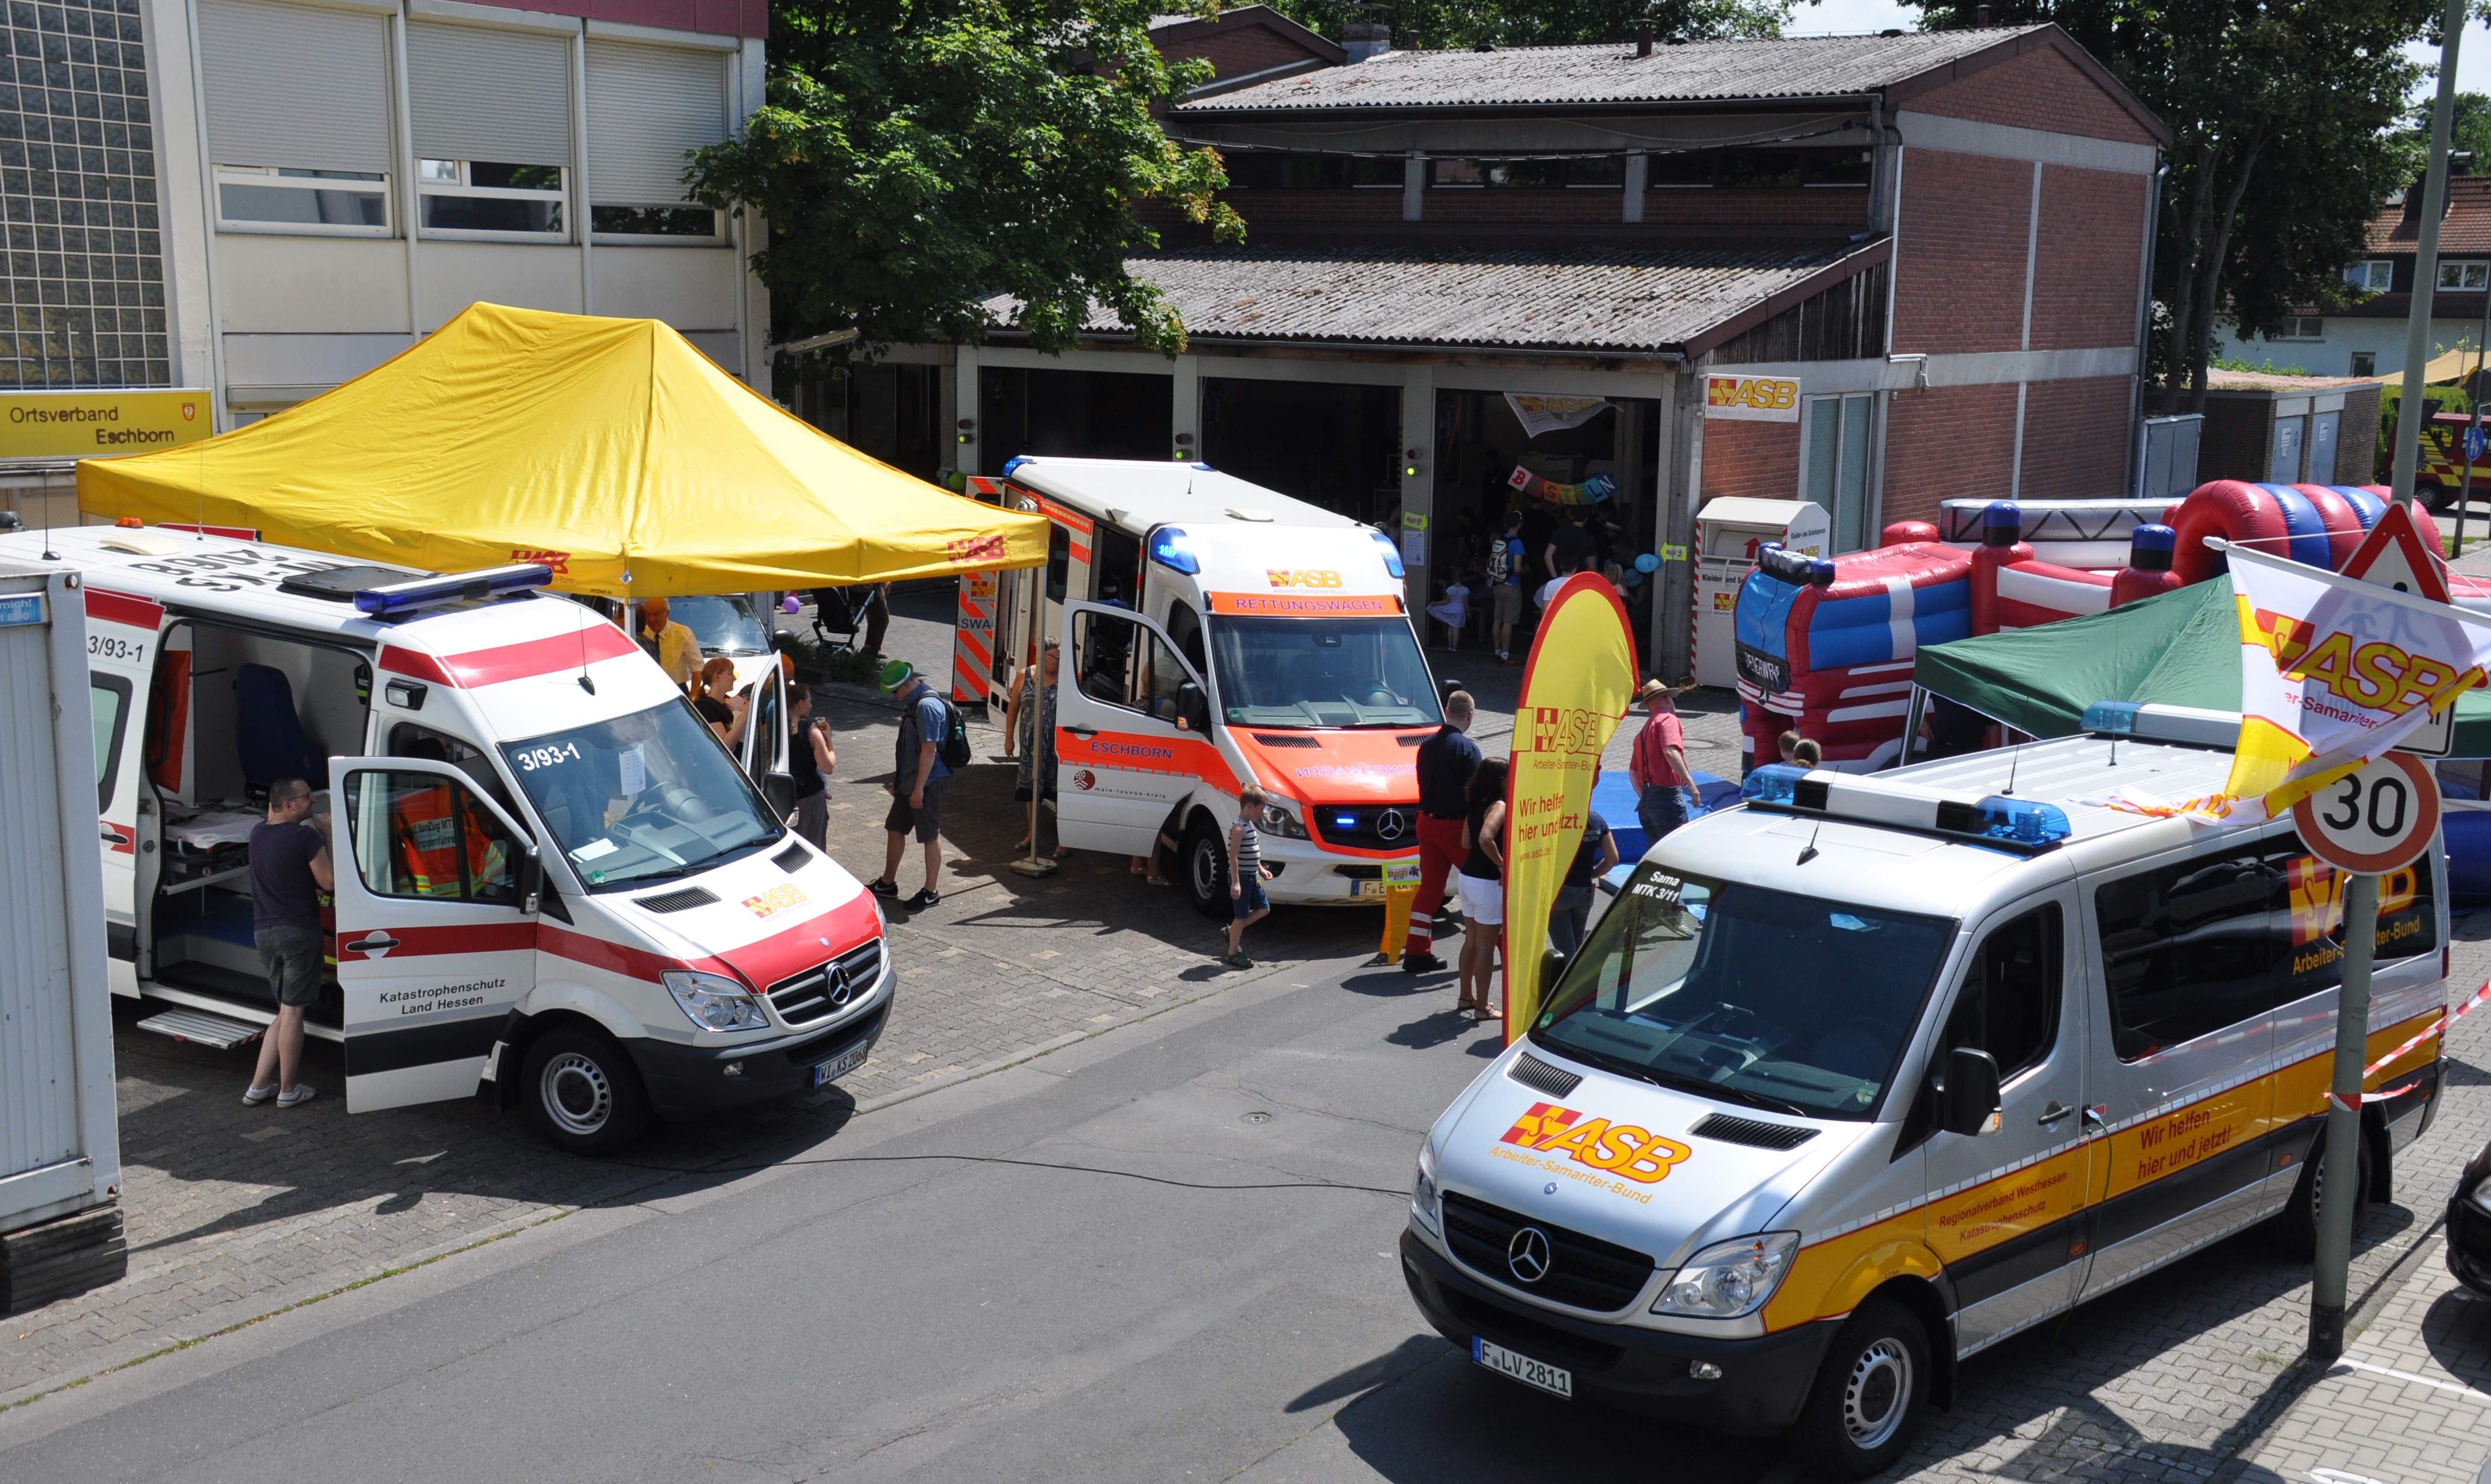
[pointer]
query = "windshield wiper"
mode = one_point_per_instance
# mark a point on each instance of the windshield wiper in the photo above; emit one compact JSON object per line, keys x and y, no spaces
{"x":1676,"y":1083}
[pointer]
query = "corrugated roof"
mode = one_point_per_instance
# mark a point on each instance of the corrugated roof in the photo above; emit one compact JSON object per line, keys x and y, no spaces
{"x":1514,"y":297}
{"x":1691,"y":71}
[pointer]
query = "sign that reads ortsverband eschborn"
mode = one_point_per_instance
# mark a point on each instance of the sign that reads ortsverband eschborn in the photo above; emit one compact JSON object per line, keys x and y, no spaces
{"x":100,"y":424}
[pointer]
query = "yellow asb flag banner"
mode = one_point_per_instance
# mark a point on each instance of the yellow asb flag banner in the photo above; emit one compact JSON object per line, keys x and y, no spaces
{"x":1575,"y":690}
{"x":100,"y":424}
{"x":2336,"y":672}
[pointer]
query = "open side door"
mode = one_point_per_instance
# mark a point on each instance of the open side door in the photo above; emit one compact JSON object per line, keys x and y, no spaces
{"x":1132,"y":731}
{"x":122,"y":635}
{"x":436,"y":892}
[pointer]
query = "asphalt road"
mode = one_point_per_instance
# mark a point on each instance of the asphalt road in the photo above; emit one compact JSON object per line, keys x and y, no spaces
{"x":944,"y":1290}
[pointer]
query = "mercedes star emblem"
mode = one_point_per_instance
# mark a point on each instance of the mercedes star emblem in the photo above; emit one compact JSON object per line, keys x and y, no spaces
{"x":1548,"y":1189}
{"x":1526,"y":1255}
{"x":1389,"y":824}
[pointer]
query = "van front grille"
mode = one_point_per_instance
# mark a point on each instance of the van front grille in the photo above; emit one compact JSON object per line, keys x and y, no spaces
{"x":1365,"y":825}
{"x":826,"y":989}
{"x":1583,"y":1272}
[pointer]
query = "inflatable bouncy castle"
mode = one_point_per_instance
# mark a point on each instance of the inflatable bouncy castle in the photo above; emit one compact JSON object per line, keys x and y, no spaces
{"x":1828,"y":646}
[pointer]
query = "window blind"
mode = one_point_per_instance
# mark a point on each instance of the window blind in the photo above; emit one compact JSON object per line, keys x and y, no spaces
{"x":295,"y":86}
{"x":646,"y":106}
{"x":481,"y":93}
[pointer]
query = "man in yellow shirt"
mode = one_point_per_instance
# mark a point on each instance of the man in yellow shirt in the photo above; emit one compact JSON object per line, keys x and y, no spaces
{"x":670,"y":643}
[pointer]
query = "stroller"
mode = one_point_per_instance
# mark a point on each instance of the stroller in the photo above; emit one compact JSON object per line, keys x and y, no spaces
{"x":851,"y":620}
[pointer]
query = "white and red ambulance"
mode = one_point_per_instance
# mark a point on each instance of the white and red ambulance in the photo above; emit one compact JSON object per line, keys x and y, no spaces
{"x":550,"y":876}
{"x":1216,"y":631}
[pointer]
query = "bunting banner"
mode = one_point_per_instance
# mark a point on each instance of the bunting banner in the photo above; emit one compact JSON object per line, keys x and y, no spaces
{"x":2335,"y":672}
{"x":1541,"y":413}
{"x":1591,"y":492}
{"x":1577,"y":687}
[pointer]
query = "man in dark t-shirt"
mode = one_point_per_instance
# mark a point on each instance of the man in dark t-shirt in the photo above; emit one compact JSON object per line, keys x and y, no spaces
{"x":1594,"y":857}
{"x":1445,"y":763}
{"x":289,"y":869}
{"x":1570,"y":547}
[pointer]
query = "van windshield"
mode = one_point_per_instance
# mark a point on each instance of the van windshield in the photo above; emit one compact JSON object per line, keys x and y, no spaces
{"x":1747,"y":995}
{"x":640,"y":797}
{"x":723,"y":624}
{"x":1321,"y":672}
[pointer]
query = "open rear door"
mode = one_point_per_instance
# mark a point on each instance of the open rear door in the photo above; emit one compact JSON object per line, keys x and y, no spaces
{"x":436,"y":928}
{"x":1131,"y":731}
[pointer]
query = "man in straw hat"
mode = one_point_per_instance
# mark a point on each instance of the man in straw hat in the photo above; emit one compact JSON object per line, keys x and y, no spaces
{"x":1657,"y":768}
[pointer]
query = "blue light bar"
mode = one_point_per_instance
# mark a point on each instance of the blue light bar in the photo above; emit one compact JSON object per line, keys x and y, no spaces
{"x":1015,"y":462}
{"x":1773,"y":783}
{"x":456,"y":587}
{"x":2023,"y":821}
{"x":2111,"y":718}
{"x":1170,"y":549}
{"x":1392,"y":553}
{"x":1344,"y":821}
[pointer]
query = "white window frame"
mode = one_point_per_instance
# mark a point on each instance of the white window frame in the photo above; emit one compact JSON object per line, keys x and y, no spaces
{"x":716,"y":238}
{"x":1823,"y":418}
{"x":278,"y":178}
{"x":427,"y":184}
{"x":2304,"y":328}
{"x":2374,"y":275}
{"x":2476,"y":269}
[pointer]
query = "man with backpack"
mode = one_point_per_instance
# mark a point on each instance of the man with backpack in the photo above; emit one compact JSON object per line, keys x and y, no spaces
{"x":933,"y":741}
{"x":1505,"y":559}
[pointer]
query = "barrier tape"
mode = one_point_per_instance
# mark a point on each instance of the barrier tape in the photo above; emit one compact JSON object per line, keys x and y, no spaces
{"x":2446,"y":1018}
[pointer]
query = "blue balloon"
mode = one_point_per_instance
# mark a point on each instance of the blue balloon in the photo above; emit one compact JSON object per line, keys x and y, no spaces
{"x":1647,"y":563}
{"x":1634,"y":578}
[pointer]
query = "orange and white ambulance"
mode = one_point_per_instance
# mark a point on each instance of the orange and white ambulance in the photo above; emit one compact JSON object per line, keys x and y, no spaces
{"x":1215,"y":631}
{"x":550,"y":877}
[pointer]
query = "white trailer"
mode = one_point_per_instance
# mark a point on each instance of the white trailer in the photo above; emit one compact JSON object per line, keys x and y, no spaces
{"x":60,"y":1141}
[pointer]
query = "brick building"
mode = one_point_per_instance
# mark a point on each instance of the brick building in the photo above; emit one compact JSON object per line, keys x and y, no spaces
{"x":1940,"y":237}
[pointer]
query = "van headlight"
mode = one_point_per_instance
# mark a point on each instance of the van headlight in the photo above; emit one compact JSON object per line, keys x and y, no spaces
{"x":1278,"y":821}
{"x":714,"y":1001}
{"x":1729,"y":1280}
{"x":1422,"y":1194}
{"x":2481,"y":1195}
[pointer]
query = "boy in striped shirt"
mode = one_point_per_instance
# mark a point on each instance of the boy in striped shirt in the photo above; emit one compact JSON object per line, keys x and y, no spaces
{"x":1247,"y":874}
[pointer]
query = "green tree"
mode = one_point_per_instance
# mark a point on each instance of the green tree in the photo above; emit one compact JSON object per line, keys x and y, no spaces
{"x":916,"y":156}
{"x":2472,"y":132}
{"x":1464,"y":23}
{"x":2284,"y":117}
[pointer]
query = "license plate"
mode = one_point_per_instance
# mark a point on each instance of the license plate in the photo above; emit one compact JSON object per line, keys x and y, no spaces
{"x":840,"y":1066}
{"x":1522,"y":1368}
{"x":1368,"y":888}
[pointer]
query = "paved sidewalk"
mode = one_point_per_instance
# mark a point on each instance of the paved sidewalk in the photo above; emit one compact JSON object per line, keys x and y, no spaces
{"x":2408,"y":1404}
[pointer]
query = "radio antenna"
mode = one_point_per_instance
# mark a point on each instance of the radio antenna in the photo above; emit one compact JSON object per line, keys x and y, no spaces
{"x":2013,"y":759}
{"x":1809,"y":854}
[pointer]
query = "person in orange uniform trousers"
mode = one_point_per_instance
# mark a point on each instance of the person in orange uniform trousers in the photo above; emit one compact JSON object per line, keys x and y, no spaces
{"x":1444,"y":764}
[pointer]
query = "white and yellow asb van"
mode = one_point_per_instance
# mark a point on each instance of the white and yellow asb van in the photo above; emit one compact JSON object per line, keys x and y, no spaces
{"x":1864,"y":1077}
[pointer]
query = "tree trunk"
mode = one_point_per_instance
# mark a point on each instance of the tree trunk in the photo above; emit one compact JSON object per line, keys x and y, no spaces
{"x":2183,"y":275}
{"x":2209,"y":291}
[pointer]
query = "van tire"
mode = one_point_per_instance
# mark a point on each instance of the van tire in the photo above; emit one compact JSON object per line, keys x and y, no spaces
{"x":1869,"y":1395}
{"x":583,"y":1092}
{"x":2295,"y":1227}
{"x":1205,"y":865}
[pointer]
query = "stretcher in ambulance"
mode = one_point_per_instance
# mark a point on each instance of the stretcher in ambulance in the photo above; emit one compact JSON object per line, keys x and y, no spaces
{"x":1215,"y":631}
{"x":550,"y":877}
{"x":1855,"y":1081}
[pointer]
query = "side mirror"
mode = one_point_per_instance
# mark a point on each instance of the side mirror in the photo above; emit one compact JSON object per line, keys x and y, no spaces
{"x":781,"y":641}
{"x":1194,"y":707}
{"x":1552,"y":968}
{"x":1446,"y":685}
{"x":778,"y":789}
{"x":531,"y":881}
{"x":1968,"y":1096}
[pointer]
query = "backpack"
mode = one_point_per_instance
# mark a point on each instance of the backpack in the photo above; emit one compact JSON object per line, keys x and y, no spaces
{"x":953,"y":750}
{"x":1500,"y":560}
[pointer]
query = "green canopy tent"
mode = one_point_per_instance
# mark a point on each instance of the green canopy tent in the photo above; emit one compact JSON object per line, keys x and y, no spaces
{"x":2180,"y":649}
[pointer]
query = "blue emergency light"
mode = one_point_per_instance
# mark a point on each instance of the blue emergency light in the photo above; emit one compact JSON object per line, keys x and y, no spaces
{"x":1786,"y":788}
{"x":1392,"y":553}
{"x":2192,"y":726}
{"x":1172,"y":549}
{"x":400,"y":598}
{"x":1344,"y":822}
{"x":1015,"y":461}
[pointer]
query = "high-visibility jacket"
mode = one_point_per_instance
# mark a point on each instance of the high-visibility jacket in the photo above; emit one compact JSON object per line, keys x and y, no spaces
{"x":428,"y":833}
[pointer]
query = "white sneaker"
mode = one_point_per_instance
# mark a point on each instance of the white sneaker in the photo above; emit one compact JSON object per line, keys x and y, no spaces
{"x":257,"y":1096}
{"x":303,"y":1092}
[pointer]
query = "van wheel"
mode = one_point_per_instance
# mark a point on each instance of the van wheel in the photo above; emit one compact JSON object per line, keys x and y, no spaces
{"x":2433,"y":497}
{"x":583,"y":1092}
{"x":1205,"y":870}
{"x":2295,"y":1227}
{"x":1869,"y":1393}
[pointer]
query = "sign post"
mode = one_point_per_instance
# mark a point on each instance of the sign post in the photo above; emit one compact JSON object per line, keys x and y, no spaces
{"x":2374,"y":820}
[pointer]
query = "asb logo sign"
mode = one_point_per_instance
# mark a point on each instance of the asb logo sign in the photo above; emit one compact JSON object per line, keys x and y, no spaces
{"x":1565,"y":729}
{"x":1084,"y":779}
{"x":1615,"y":1149}
{"x":1752,"y":398}
{"x":558,"y":561}
{"x":1280,"y":578}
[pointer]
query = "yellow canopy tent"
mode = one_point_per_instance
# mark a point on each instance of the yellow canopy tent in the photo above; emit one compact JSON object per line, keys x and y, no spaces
{"x":610,"y":448}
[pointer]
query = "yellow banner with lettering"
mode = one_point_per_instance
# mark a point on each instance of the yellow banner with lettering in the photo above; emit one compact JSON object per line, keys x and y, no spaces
{"x":100,"y":424}
{"x":1575,"y":690}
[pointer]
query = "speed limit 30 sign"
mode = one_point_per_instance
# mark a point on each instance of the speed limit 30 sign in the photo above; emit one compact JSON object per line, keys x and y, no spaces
{"x":2373,"y":821}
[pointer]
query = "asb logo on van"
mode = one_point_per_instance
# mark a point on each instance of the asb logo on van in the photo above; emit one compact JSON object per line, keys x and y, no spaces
{"x":1280,"y":577}
{"x":1617,"y":1149}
